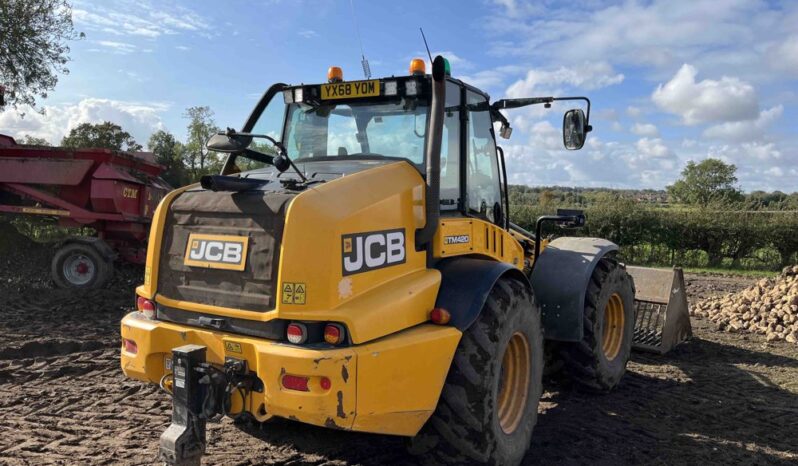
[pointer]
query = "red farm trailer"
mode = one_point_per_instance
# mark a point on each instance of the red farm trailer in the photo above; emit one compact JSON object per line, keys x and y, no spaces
{"x":113,"y":192}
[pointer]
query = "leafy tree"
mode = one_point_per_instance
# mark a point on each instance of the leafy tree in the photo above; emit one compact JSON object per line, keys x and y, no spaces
{"x":33,"y":50}
{"x":706,"y":182}
{"x":201,"y":127}
{"x":104,"y":135}
{"x":29,"y":140}
{"x":169,"y":152}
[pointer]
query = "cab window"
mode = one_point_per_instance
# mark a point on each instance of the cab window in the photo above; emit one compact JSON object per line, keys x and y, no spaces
{"x":450,"y":150}
{"x":482,"y":168}
{"x":395,"y":128}
{"x":270,"y":123}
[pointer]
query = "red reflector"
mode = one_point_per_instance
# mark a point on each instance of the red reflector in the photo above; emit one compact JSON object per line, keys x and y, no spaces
{"x":130,"y":346}
{"x":296,"y":333}
{"x":333,"y":334}
{"x":146,"y":307}
{"x":144,"y":304}
{"x":440,"y":316}
{"x":293,"y":382}
{"x":325,"y":383}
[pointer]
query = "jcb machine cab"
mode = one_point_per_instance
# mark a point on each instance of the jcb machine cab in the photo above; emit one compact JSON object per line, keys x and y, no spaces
{"x":354,"y":266}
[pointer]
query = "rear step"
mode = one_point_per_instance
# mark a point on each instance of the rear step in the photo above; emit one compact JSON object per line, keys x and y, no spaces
{"x":662,"y":320}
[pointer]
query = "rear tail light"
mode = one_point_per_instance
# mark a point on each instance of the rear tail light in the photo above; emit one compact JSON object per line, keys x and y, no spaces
{"x":296,"y":333}
{"x":440,"y":316}
{"x":325,"y":383}
{"x":145,"y":307}
{"x":334,"y":334}
{"x":294,"y":382}
{"x":130,"y":346}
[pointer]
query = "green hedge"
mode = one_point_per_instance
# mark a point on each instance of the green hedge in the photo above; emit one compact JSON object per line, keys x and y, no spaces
{"x":761,"y":240}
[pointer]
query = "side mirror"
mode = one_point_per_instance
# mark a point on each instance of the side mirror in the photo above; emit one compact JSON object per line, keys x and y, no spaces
{"x":571,"y":218}
{"x":505,"y":131}
{"x":574,"y":129}
{"x":228,"y":144}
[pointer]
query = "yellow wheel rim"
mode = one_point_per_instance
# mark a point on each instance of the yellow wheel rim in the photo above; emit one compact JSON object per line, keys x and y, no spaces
{"x":613,"y":327}
{"x":514,"y":382}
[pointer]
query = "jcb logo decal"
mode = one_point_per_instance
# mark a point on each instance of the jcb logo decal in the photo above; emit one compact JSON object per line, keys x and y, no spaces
{"x":216,"y":251}
{"x":373,"y":250}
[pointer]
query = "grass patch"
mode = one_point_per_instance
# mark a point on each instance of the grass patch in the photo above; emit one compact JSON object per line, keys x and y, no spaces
{"x":733,"y":272}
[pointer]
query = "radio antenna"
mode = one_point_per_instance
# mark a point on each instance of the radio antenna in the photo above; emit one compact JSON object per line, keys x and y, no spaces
{"x":363,"y":61}
{"x":425,"y":44}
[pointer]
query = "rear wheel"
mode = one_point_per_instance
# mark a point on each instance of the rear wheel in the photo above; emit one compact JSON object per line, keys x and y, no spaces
{"x":599,"y":360}
{"x":489,"y":403}
{"x":79,"y":265}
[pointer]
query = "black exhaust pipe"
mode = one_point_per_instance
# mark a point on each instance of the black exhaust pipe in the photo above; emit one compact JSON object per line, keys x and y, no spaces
{"x":436,"y":117}
{"x":229,"y":183}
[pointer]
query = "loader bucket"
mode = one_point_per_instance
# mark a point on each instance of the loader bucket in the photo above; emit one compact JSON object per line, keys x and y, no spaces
{"x":662,"y":320}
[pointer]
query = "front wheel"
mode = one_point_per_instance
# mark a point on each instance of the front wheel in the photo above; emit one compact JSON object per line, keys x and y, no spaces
{"x":489,"y":403}
{"x":599,"y":360}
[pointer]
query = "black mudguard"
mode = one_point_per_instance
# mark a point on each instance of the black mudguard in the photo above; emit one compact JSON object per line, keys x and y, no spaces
{"x":560,"y":280}
{"x":466,"y":283}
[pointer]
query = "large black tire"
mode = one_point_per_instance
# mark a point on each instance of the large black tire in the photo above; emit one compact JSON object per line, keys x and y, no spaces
{"x":78,"y":265}
{"x":466,"y":426}
{"x":599,"y":361}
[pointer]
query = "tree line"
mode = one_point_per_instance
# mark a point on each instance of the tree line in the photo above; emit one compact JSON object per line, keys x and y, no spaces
{"x":184,"y":162}
{"x":708,"y":222}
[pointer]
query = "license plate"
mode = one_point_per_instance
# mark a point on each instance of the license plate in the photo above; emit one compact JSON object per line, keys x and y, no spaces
{"x":348,"y":90}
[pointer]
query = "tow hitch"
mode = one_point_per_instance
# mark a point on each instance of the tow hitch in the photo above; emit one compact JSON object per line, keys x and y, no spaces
{"x":201,"y":392}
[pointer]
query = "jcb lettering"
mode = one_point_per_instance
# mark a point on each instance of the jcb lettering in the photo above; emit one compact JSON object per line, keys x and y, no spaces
{"x":373,"y":250}
{"x":215,"y":251}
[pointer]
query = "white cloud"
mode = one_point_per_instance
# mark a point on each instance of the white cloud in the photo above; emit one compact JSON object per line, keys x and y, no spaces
{"x":307,"y":33}
{"x":140,"y":119}
{"x":589,"y":75}
{"x":748,"y":130}
{"x":784,"y":55}
{"x":655,"y":148}
{"x":727,"y":99}
{"x":121,"y":48}
{"x":746,"y":52}
{"x":633,"y":111}
{"x":775,"y":171}
{"x":138,"y":77}
{"x":515,"y":9}
{"x":492,"y":78}
{"x":182,"y":47}
{"x":139,"y":19}
{"x":645,"y":129}
{"x":654,"y":33}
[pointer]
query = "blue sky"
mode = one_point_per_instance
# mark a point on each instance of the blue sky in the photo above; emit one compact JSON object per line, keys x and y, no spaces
{"x":670,"y":81}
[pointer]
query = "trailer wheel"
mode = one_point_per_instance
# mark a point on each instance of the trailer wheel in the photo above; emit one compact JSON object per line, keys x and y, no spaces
{"x":489,"y":403}
{"x":599,"y":361}
{"x":78,"y":265}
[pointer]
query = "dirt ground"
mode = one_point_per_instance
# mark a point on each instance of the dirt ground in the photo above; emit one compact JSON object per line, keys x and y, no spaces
{"x":720,"y":399}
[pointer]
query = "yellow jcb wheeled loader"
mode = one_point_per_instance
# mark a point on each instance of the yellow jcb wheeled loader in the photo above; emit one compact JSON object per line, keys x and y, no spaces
{"x":356,"y":268}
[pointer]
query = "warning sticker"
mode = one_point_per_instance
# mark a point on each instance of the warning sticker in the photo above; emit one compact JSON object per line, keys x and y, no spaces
{"x":232,"y":347}
{"x":294,"y":293}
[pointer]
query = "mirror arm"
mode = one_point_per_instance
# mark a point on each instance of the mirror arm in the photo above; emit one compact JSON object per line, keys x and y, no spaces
{"x":588,"y":128}
{"x":517,"y":103}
